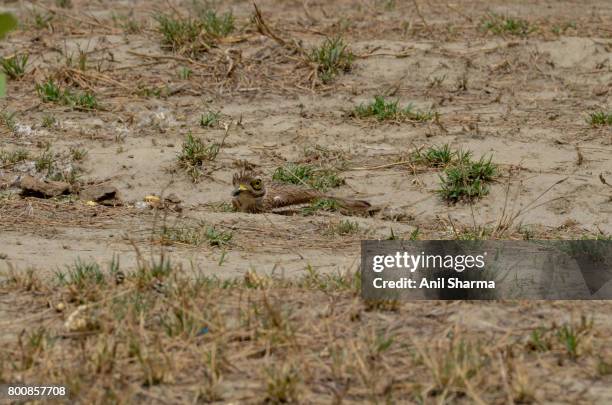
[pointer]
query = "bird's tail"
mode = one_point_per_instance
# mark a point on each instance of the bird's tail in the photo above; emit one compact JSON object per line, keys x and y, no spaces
{"x":353,"y":205}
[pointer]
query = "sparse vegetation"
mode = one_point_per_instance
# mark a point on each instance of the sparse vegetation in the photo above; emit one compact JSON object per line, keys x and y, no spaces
{"x":15,"y":66}
{"x":64,"y":3}
{"x":562,"y":28}
{"x":10,"y":158}
{"x":77,"y":154}
{"x":81,"y":274}
{"x":49,"y":91}
{"x":600,"y":118}
{"x":182,"y":35}
{"x":45,"y":162}
{"x":254,"y":308}
{"x":197,"y":33}
{"x":42,"y":20}
{"x":320,"y":179}
{"x":48,"y":121}
{"x":466,"y":179}
{"x":344,"y":227}
{"x":210,"y":119}
{"x":321,"y":204}
{"x":185,"y":73}
{"x":332,"y":57}
{"x":195,"y":235}
{"x":384,"y":110}
{"x":8,"y":120}
{"x":500,"y":24}
{"x":435,"y":156}
{"x":195,"y":153}
{"x":217,"y":25}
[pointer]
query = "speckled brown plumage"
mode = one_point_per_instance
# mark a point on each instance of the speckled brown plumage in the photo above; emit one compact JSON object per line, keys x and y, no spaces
{"x":252,"y":195}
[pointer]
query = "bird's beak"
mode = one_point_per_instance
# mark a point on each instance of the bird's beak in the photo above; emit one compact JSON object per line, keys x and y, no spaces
{"x":238,"y":190}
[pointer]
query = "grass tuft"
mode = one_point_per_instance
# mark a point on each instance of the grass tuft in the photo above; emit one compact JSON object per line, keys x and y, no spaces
{"x":282,"y":385}
{"x":435,"y":156}
{"x":11,"y":158}
{"x":49,"y":91}
{"x":600,"y":118}
{"x":15,"y":66}
{"x":332,"y":57}
{"x":320,"y":179}
{"x":344,"y":227}
{"x":8,"y":119}
{"x":321,"y":204}
{"x":210,"y":119}
{"x":81,"y":274}
{"x":195,"y":236}
{"x":48,"y":121}
{"x":389,"y":110}
{"x":194,"y":153}
{"x":217,"y":25}
{"x":500,"y":24}
{"x":77,"y":154}
{"x":184,"y":36}
{"x":466,"y":179}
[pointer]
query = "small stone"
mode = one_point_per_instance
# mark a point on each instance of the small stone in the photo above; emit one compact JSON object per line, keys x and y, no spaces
{"x":173,"y":198}
{"x":601,"y":90}
{"x":31,"y":186}
{"x":99,"y":193}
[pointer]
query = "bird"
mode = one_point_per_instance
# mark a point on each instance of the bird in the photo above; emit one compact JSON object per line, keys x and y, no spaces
{"x":251,"y":194}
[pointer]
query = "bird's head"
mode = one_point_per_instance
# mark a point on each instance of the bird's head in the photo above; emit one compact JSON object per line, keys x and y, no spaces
{"x":248,"y":192}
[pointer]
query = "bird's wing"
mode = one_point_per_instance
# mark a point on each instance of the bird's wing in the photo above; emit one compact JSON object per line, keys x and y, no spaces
{"x":282,"y":195}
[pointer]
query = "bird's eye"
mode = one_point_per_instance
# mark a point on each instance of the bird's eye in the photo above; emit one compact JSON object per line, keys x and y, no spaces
{"x":256,"y":184}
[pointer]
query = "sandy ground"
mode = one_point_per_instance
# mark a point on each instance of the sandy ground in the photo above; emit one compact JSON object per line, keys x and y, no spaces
{"x":526,"y":103}
{"x":522,"y":99}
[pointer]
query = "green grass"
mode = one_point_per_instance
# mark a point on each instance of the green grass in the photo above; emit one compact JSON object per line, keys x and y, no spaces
{"x":185,"y":73}
{"x":384,"y":110}
{"x":126,"y":23}
{"x":500,"y":25}
{"x":560,"y":29}
{"x":303,"y":174}
{"x":195,"y":153}
{"x":217,"y":25}
{"x":183,"y":36}
{"x":49,"y":91}
{"x":13,"y":157}
{"x":282,"y":385}
{"x":48,"y":121}
{"x":210,"y":119}
{"x":197,"y":33}
{"x":77,"y":154}
{"x":600,"y":118}
{"x":344,"y":227}
{"x":45,"y":162}
{"x":63,"y":3}
{"x":8,"y":119}
{"x":216,"y":237}
{"x":85,"y":101}
{"x":435,"y":156}
{"x":195,"y":235}
{"x":465,"y":179}
{"x":81,"y":274}
{"x":42,"y":21}
{"x":321,"y":204}
{"x":14,"y":67}
{"x":568,"y":336}
{"x":332,"y":57}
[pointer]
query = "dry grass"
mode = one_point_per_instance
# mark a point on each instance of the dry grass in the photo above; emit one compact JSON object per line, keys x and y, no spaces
{"x":165,"y":333}
{"x":156,"y":332}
